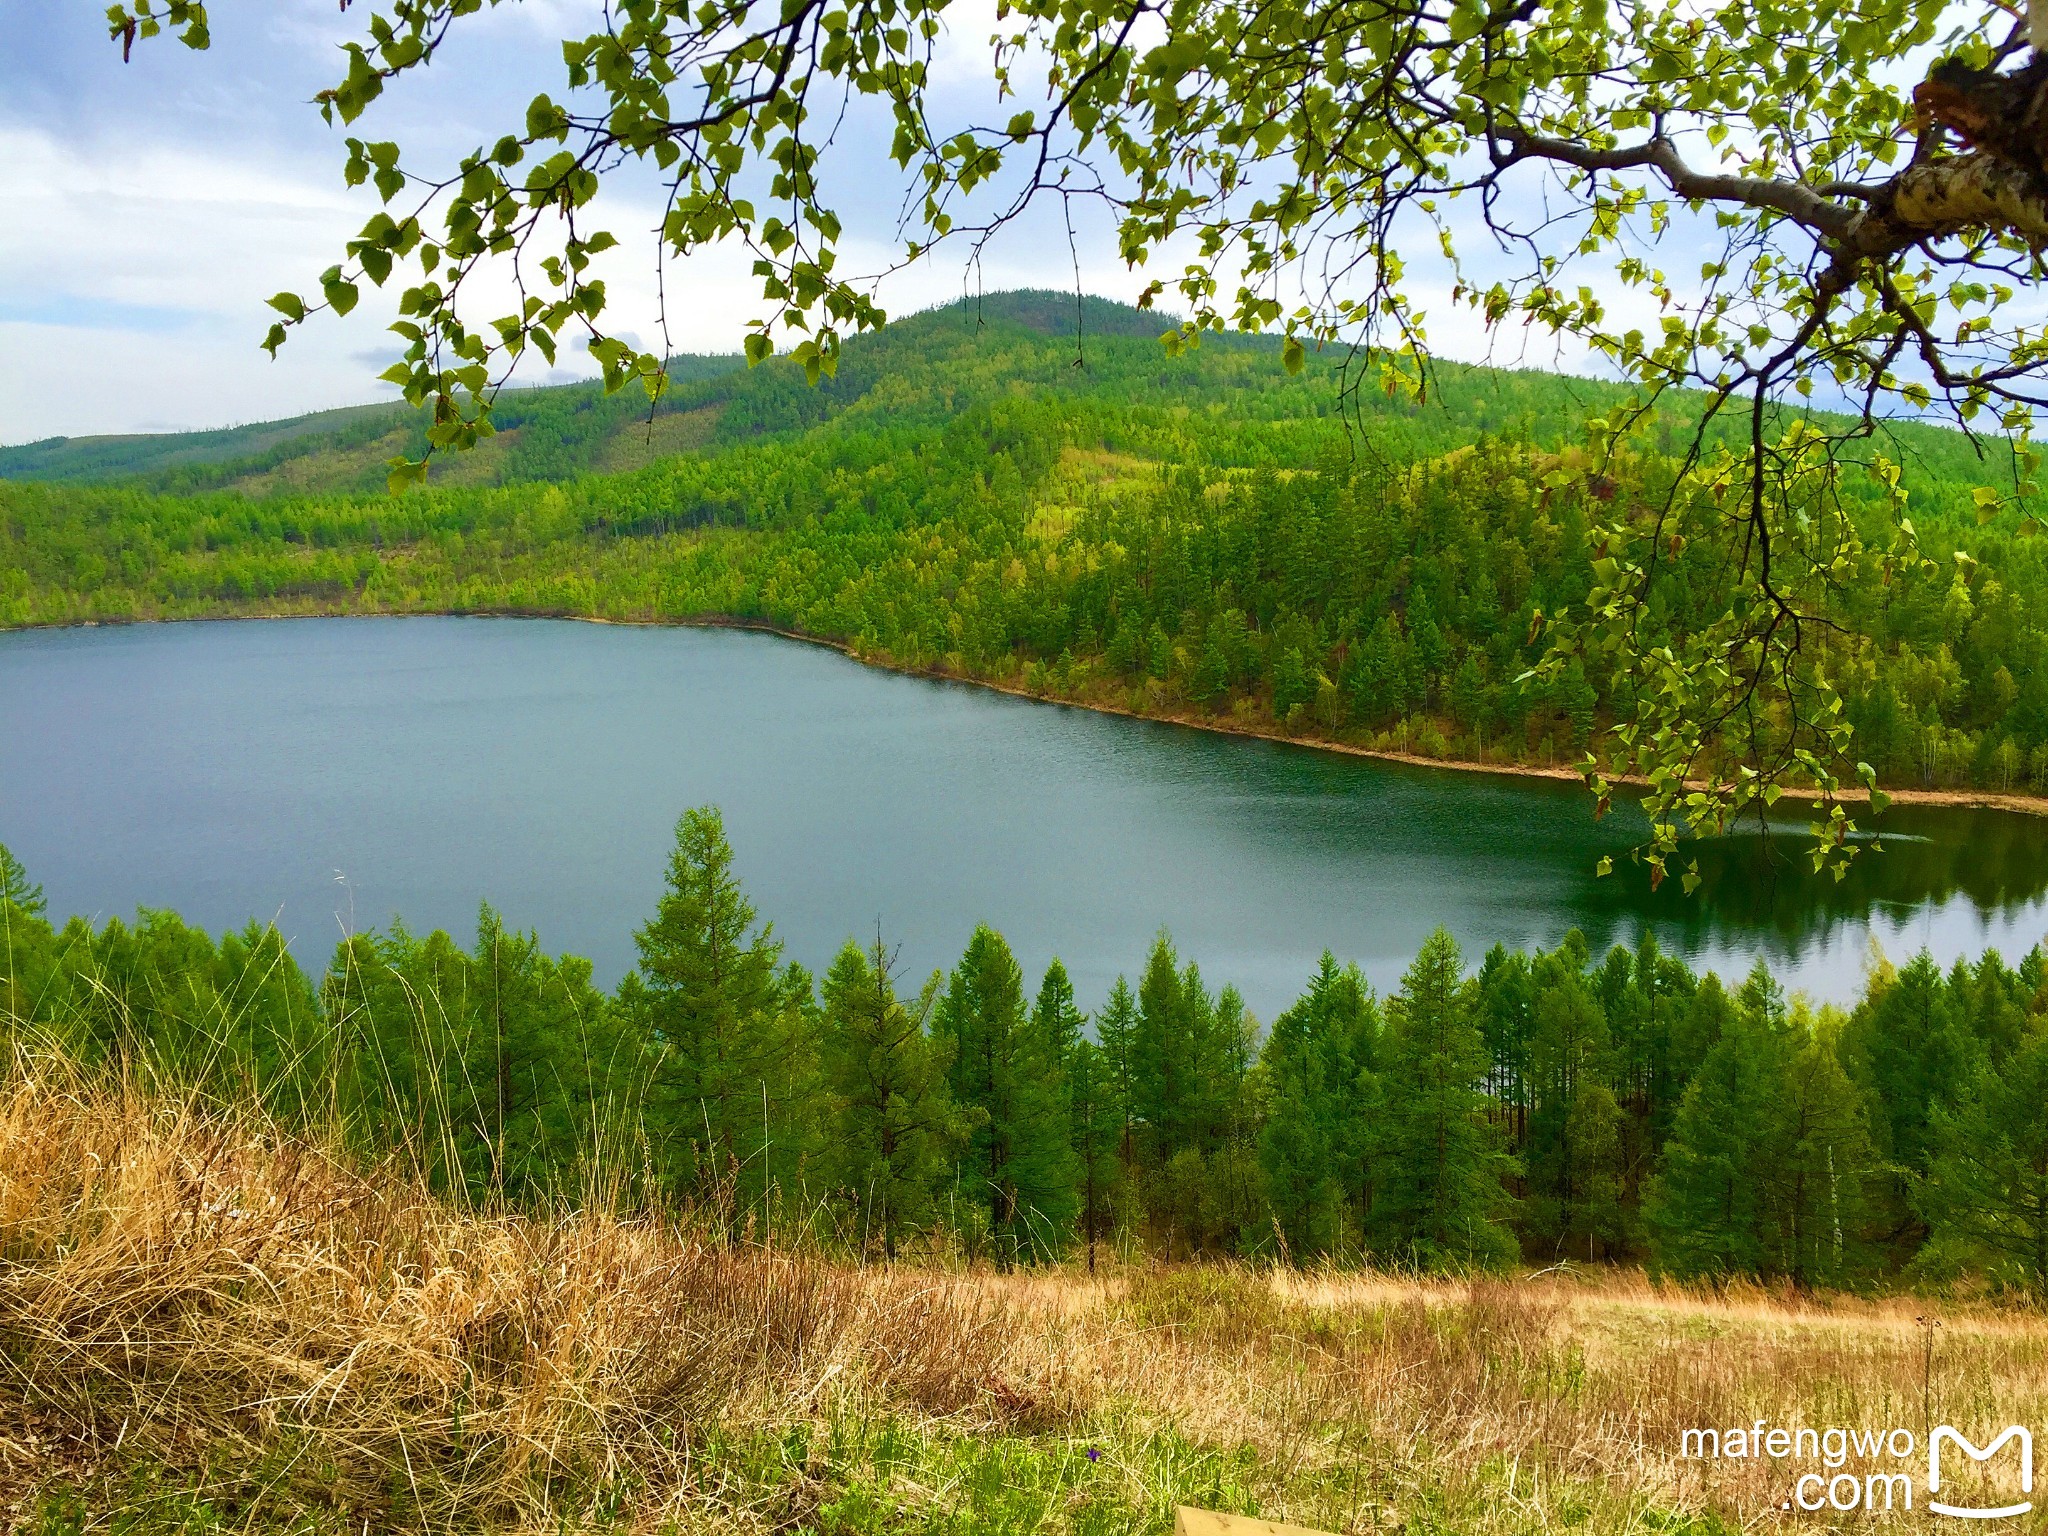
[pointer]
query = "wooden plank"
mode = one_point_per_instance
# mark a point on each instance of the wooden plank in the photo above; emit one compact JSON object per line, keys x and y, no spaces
{"x":1203,"y":1522}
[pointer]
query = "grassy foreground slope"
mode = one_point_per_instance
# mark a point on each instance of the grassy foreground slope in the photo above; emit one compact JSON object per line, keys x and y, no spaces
{"x":1204,"y":537}
{"x":209,"y":1326}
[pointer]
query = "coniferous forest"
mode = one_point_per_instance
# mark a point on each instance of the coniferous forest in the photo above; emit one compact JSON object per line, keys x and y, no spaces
{"x":1492,"y":1109}
{"x":437,"y":1233}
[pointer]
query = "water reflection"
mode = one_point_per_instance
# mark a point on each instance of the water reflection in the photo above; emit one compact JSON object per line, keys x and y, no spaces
{"x":1920,"y":856}
{"x":237,"y":769}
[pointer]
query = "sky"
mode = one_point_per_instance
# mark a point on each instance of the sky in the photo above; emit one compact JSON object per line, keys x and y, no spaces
{"x":152,"y":207}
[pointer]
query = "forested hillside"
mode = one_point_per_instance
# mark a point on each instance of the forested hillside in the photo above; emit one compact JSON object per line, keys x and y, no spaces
{"x":1100,"y":363}
{"x":1602,"y":1107}
{"x":980,"y":493}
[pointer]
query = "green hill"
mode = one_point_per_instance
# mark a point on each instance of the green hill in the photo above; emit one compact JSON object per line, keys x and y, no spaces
{"x":1098,"y":359}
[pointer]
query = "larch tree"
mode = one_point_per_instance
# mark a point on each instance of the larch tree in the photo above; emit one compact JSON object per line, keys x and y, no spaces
{"x":1315,"y":1145}
{"x":893,"y":1128}
{"x":1116,"y":1029}
{"x":1443,"y":1198}
{"x":525,"y":1095}
{"x":1163,"y":1038}
{"x":16,"y":889}
{"x":1705,"y":1208}
{"x":1770,"y":1168}
{"x":1985,"y":1197}
{"x":1097,"y":1124}
{"x":1573,"y":1154}
{"x":1008,"y":1078}
{"x":1916,"y":1054}
{"x":1821,"y":1177}
{"x":727,"y":1048}
{"x":1056,"y":1018}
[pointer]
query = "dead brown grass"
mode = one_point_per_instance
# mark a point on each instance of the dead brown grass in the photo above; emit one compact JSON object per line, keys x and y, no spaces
{"x":186,"y":1281}
{"x":193,"y":1286}
{"x":1539,"y":1400}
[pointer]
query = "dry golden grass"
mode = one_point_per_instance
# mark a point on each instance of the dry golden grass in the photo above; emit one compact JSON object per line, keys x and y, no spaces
{"x":173,"y":1282}
{"x":189,"y":1290}
{"x":1534,"y":1402}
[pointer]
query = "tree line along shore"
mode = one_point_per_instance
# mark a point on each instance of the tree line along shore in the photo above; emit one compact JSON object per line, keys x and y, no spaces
{"x":1616,"y":1108}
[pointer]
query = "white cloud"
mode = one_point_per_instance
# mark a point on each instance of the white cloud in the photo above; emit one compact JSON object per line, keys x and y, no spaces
{"x":145,"y":233}
{"x":136,"y":282}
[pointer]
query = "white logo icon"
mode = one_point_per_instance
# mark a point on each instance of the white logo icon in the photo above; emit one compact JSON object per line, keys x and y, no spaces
{"x":2013,"y":1432}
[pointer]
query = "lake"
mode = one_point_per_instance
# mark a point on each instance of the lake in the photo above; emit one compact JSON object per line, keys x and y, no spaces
{"x":329,"y":773}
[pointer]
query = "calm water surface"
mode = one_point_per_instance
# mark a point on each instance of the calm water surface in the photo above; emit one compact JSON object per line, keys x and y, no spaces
{"x":331,"y":773}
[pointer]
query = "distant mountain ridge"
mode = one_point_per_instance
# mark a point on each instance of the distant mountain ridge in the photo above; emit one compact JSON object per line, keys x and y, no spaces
{"x":209,"y":457}
{"x":1096,"y":361}
{"x":115,"y":454}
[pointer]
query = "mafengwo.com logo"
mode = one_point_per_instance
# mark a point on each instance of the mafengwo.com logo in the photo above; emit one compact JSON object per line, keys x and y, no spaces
{"x":1885,"y":1469}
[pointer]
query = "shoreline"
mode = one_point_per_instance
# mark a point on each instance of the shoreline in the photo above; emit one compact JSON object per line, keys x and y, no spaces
{"x":1949,"y":799}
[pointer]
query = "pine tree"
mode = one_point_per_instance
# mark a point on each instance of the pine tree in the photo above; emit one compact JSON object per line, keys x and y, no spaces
{"x":894,"y":1129}
{"x":1162,"y":1052}
{"x":1468,"y":695}
{"x":1991,"y":1002}
{"x":1191,"y":1054}
{"x":1355,"y":1033}
{"x":16,"y":889}
{"x":1706,"y":1206}
{"x":1695,"y":1030}
{"x":1915,"y":1057}
{"x":1116,"y":1030}
{"x":1573,"y":1154}
{"x":1769,"y":1166}
{"x":1096,"y":1123}
{"x":29,"y":953}
{"x":1443,"y":1199}
{"x":1315,"y":1132}
{"x":524,"y":1092}
{"x":1378,"y":675}
{"x":1293,"y":684}
{"x":505,"y":1047}
{"x":1055,"y":1016}
{"x":1296,"y":1147}
{"x":1506,"y":1008}
{"x":1225,"y":1044}
{"x":1663,"y":988}
{"x":1818,"y":1181}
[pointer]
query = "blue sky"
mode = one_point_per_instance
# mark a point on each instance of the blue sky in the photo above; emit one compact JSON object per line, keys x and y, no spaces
{"x":152,"y":207}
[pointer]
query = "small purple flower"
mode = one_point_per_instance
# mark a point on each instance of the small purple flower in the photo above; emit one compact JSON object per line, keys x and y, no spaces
{"x":1094,"y":1454}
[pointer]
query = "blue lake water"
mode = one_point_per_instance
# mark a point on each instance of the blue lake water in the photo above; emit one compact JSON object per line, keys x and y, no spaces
{"x":330,"y":773}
